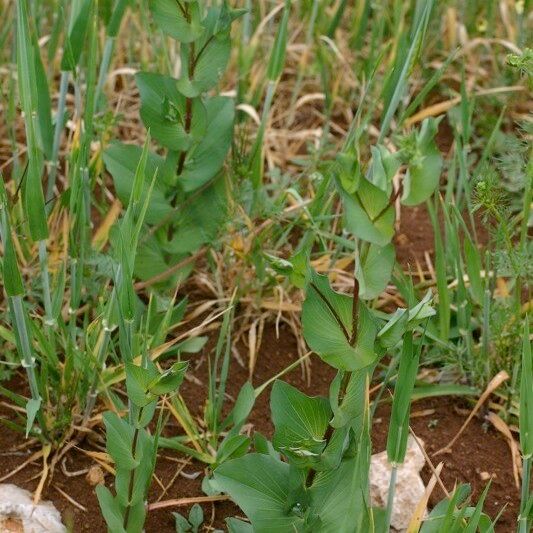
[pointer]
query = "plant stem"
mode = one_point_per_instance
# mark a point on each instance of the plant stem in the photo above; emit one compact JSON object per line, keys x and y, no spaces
{"x":390,"y":498}
{"x":131,"y":482}
{"x":100,"y":361}
{"x":45,"y":278}
{"x":28,"y":360}
{"x":63,"y":86}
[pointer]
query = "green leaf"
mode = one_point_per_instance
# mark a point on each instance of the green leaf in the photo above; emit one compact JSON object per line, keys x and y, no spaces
{"x":352,"y":406}
{"x":300,"y":424}
{"x":44,"y":105}
{"x":137,"y":380}
{"x":205,"y":159}
{"x":474,"y":268}
{"x":526,"y":395}
{"x":201,"y":219}
{"x":192,"y":345}
{"x":327,"y":327}
{"x":211,"y":52}
{"x":403,"y":320}
{"x":368,"y":213}
{"x":182,"y":25}
{"x":277,"y":55}
{"x":374,"y":271}
{"x":259,"y":485}
{"x":32,"y":408}
{"x":383,"y":167}
{"x":232,"y":446}
{"x":32,"y":189}
{"x":340,"y":496}
{"x":110,"y":509}
{"x":121,"y":161}
{"x":399,"y":421}
{"x":76,"y":34}
{"x":242,"y":408}
{"x":119,"y":439}
{"x":181,"y":523}
{"x":238,"y":526}
{"x":196,"y":517}
{"x":10,"y":270}
{"x":163,"y":110}
{"x":170,"y":380}
{"x":425,"y":165}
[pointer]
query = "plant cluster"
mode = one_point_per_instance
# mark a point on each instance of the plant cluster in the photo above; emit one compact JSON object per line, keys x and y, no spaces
{"x":88,"y":315}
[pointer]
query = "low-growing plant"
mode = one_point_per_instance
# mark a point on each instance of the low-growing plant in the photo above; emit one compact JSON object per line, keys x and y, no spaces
{"x":219,"y":439}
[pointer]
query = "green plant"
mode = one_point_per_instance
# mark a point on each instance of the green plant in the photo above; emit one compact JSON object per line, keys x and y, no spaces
{"x":453,"y":514}
{"x":314,"y":475}
{"x":128,"y":441}
{"x":195,"y":128}
{"x":219,"y":439}
{"x":192,"y":523}
{"x":132,"y":447}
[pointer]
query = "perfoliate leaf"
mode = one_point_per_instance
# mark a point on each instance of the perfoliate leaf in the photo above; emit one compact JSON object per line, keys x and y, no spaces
{"x":206,"y":158}
{"x":403,"y":320}
{"x":348,"y":171}
{"x":179,"y":21}
{"x":231,"y":447}
{"x":259,"y":485}
{"x":374,"y":271}
{"x":327,"y":319}
{"x":384,"y":166}
{"x":352,"y":406}
{"x":196,"y":517}
{"x":169,"y":381}
{"x":368,"y":213}
{"x":242,"y":407}
{"x":181,"y":523}
{"x":137,"y":380}
{"x":300,"y":424}
{"x":238,"y":526}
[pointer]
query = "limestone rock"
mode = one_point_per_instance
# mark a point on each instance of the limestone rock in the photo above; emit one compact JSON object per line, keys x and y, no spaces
{"x":409,"y":485}
{"x":18,"y":514}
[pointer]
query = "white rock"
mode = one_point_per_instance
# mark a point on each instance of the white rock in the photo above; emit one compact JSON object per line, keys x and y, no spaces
{"x":18,"y":514}
{"x":409,"y":485}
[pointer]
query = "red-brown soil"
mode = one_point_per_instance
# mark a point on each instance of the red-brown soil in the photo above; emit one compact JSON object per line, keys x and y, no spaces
{"x":480,"y":451}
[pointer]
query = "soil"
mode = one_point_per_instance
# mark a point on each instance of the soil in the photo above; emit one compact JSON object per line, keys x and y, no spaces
{"x":481,"y":452}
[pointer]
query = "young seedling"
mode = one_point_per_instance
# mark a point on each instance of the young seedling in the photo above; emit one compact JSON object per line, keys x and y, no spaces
{"x":132,"y":447}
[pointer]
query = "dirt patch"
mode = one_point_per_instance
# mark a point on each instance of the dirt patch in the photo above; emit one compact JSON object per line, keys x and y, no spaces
{"x":481,"y":449}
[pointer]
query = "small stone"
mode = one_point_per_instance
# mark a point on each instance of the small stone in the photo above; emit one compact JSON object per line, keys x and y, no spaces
{"x":95,"y":476}
{"x":18,"y":514}
{"x":409,"y":485}
{"x":485,"y":476}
